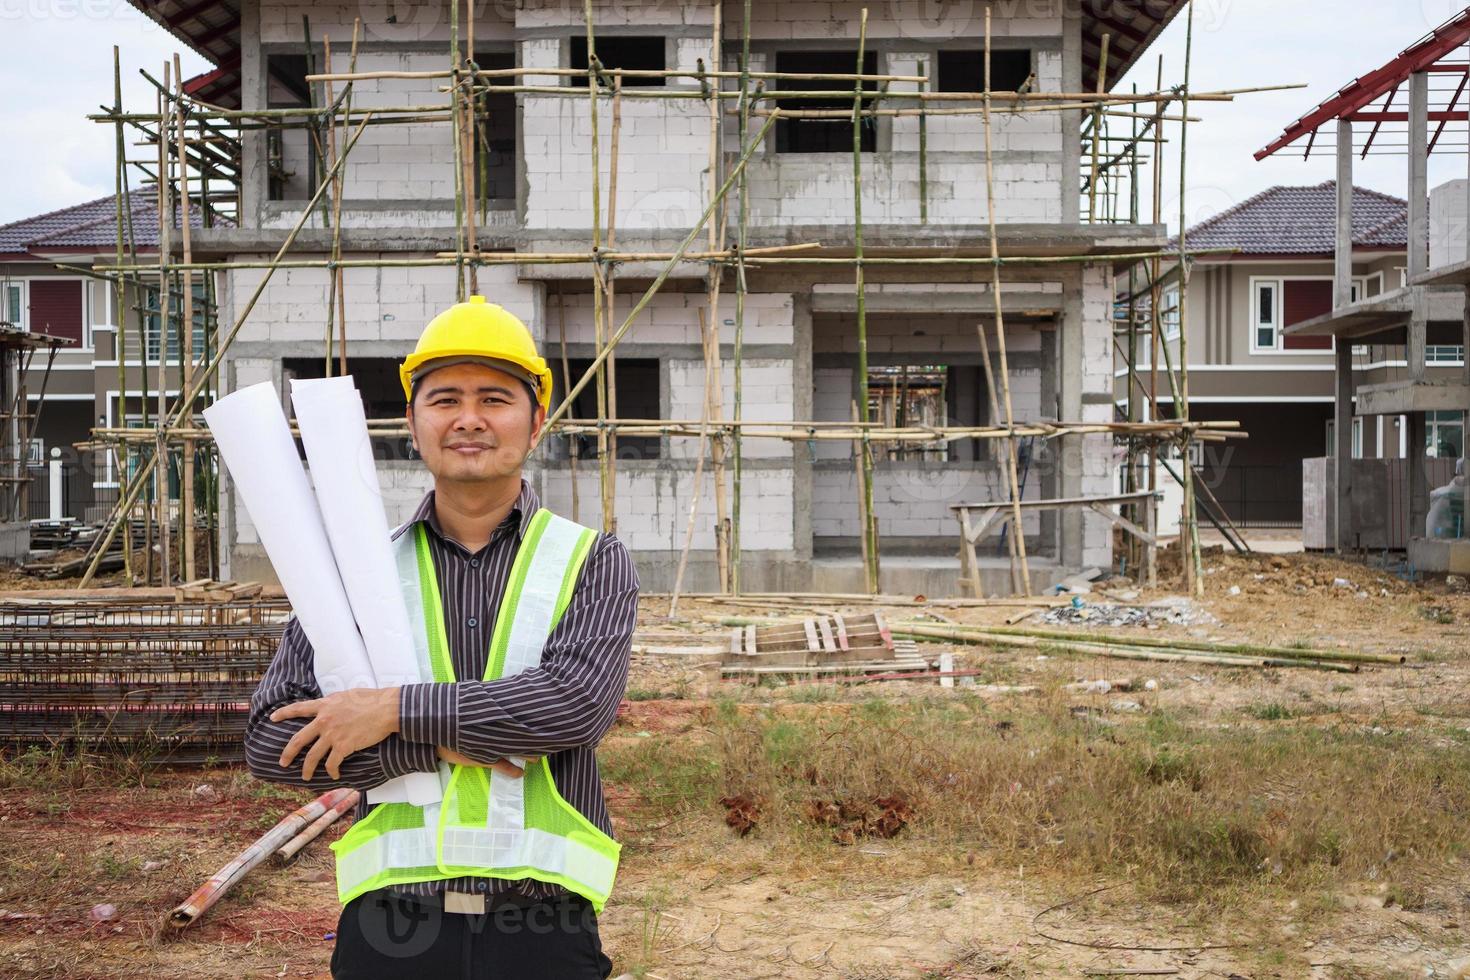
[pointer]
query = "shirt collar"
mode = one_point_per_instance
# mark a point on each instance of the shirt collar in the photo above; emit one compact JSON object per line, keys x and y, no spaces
{"x":526,"y":505}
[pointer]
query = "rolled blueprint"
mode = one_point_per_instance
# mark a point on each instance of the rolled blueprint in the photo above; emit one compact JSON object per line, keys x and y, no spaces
{"x":255,"y":443}
{"x":333,"y":427}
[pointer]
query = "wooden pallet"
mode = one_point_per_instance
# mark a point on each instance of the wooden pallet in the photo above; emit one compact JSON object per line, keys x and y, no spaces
{"x":823,"y":643}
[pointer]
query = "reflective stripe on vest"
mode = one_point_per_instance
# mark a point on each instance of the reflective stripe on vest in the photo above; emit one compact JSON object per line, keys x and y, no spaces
{"x":488,"y":825}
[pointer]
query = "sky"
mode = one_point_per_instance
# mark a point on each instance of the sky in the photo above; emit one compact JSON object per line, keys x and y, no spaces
{"x":56,"y":67}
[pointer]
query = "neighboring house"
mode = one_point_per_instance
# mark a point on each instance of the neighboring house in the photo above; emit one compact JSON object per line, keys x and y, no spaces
{"x":82,"y":389}
{"x":800,"y":519}
{"x":1413,"y":334}
{"x":1245,"y":364}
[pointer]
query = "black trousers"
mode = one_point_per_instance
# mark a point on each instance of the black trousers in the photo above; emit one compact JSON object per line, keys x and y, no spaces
{"x":382,"y":935}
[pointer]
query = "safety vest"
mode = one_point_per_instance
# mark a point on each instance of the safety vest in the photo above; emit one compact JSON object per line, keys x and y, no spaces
{"x":488,"y":825}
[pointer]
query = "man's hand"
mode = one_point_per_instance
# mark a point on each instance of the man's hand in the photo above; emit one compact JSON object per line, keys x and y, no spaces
{"x":503,"y":766}
{"x":340,"y":724}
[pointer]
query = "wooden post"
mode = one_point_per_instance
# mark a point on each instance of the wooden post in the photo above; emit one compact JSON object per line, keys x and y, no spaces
{"x":1097,"y":120}
{"x":120,"y":309}
{"x":714,"y":390}
{"x":573,"y":445}
{"x":165,"y":291}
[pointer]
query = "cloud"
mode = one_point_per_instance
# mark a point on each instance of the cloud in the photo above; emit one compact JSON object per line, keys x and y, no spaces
{"x":54,"y":156}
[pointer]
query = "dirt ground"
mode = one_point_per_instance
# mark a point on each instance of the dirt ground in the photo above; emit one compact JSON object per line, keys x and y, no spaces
{"x":696,"y":900}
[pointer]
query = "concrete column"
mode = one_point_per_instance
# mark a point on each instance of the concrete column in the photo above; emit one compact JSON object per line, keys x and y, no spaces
{"x":1342,"y":274}
{"x":1418,"y":174}
{"x":803,"y":389}
{"x":254,"y":174}
{"x":1418,"y":502}
{"x":1069,"y":463}
{"x":1342,"y":446}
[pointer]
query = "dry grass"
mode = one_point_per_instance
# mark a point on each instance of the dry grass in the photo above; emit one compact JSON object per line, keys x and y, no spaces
{"x":1190,"y":812}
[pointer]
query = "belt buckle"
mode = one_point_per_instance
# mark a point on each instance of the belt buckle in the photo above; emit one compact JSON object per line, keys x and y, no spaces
{"x":464,"y":903}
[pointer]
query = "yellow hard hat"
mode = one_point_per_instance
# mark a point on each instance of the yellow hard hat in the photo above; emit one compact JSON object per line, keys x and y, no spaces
{"x":479,"y":331}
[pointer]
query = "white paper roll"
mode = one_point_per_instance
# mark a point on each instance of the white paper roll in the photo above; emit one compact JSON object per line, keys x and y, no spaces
{"x":339,"y":450}
{"x":255,"y":443}
{"x":256,"y":446}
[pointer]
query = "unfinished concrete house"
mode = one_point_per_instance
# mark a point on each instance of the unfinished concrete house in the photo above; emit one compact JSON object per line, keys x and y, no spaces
{"x":767,"y":397}
{"x":1400,"y":353}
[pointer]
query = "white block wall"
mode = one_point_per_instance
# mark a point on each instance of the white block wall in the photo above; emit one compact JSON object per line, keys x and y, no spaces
{"x":911,"y":499}
{"x":663,"y":181}
{"x":382,"y":304}
{"x":653,"y":507}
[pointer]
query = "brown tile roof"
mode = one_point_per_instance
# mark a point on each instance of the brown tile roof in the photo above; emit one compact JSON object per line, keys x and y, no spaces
{"x":1303,"y":221}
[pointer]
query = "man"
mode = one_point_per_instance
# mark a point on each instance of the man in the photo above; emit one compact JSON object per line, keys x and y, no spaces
{"x":527,"y":622}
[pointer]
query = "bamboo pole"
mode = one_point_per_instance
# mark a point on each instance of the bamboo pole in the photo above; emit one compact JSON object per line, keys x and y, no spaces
{"x":773,"y":255}
{"x":147,"y":467}
{"x":923,"y":147}
{"x":1013,"y":479}
{"x":1102,"y":87}
{"x":714,"y":390}
{"x":704,"y":330}
{"x":230,"y":875}
{"x":609,"y":277}
{"x":741,"y":285}
{"x":573,"y":446}
{"x":600,"y":323}
{"x":186,"y":345}
{"x":1117,"y":650}
{"x":1191,"y":528}
{"x":865,"y":449}
{"x":120,"y":313}
{"x":288,"y":851}
{"x":165,"y":317}
{"x":994,"y":415}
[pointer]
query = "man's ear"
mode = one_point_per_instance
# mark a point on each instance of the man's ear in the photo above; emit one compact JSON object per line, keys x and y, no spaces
{"x":413,"y":440}
{"x":538,"y":420}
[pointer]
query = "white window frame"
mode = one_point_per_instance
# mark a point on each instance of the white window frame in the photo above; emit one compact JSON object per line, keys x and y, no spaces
{"x":36,"y":454}
{"x":1279,"y":311}
{"x":1403,"y":272}
{"x":1444,"y":355}
{"x":1169,"y":320}
{"x":1357,"y":449}
{"x":25,"y":303}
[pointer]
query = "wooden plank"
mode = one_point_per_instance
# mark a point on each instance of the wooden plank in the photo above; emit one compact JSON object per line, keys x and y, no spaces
{"x":811,"y":634}
{"x":1119,"y":498}
{"x":1124,"y":523}
{"x":842,"y":642}
{"x":825,"y":628}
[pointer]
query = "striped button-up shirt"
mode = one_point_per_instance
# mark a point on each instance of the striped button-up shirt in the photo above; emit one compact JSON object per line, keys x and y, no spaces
{"x":559,"y":710}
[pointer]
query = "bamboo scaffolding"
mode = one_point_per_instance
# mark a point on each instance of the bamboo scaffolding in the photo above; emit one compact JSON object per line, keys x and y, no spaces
{"x":186,"y":344}
{"x":207,"y":154}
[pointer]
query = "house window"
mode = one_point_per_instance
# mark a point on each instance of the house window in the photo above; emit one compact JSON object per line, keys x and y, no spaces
{"x":823,"y":135}
{"x":1265,"y":314}
{"x":495,"y":135}
{"x":12,"y":305}
{"x":36,"y":453}
{"x":151,"y":323}
{"x":638,"y":398}
{"x":99,"y":306}
{"x":964,"y":71}
{"x":1444,"y":434}
{"x":625,"y":53}
{"x":1281,"y":303}
{"x":1357,"y":437}
{"x":1444,"y":354}
{"x":1169,"y":315}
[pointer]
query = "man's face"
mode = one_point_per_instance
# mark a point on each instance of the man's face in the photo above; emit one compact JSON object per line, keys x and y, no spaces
{"x":472,"y":423}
